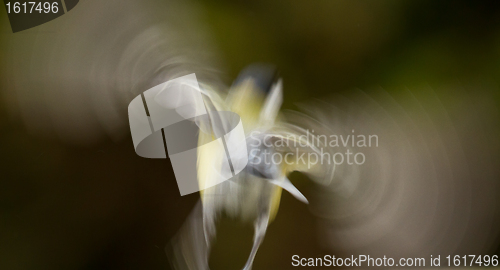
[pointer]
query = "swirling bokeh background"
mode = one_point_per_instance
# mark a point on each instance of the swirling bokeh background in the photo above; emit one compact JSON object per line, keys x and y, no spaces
{"x":422,"y":75}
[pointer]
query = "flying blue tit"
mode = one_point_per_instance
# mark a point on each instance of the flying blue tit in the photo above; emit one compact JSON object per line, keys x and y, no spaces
{"x":254,"y":194}
{"x":429,"y":187}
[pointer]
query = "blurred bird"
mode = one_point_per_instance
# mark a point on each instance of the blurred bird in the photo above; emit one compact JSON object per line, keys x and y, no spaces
{"x":430,"y":186}
{"x":254,"y":194}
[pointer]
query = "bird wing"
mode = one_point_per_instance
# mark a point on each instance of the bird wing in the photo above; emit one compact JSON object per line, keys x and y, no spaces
{"x":426,"y":185}
{"x":73,"y":77}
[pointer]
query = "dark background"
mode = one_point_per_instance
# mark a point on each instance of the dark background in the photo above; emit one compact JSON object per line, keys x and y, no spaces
{"x":101,"y":206}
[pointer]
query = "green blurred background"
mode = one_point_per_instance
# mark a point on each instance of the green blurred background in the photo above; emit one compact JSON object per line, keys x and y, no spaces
{"x":103,"y":207}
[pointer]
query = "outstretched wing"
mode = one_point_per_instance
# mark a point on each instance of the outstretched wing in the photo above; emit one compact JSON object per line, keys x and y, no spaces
{"x":422,"y":176}
{"x":74,"y":77}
